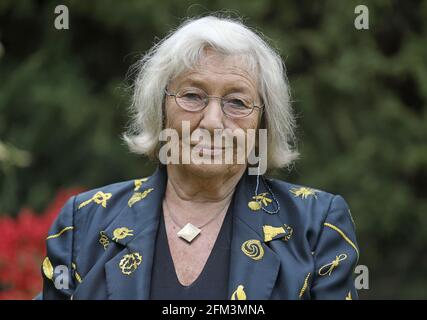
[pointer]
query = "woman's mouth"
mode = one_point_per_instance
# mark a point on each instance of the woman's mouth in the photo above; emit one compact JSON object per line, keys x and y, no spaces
{"x":208,"y":150}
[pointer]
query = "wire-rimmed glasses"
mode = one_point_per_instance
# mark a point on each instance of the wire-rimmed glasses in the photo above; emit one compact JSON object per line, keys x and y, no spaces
{"x":234,"y":105}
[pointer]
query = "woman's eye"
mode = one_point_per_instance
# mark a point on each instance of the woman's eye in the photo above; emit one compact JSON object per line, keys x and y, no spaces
{"x":192,"y":96}
{"x":238,"y":103}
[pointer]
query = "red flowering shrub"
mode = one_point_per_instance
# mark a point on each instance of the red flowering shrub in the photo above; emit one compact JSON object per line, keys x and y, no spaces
{"x":22,"y":248}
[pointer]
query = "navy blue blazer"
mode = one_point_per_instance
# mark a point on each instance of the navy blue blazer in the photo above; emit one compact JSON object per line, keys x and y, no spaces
{"x":101,"y":245}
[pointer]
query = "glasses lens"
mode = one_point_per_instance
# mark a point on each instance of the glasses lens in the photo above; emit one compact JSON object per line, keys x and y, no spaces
{"x":236,"y":107}
{"x":191,"y":99}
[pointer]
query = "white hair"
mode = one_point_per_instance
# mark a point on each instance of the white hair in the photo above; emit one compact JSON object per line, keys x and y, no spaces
{"x":180,"y":51}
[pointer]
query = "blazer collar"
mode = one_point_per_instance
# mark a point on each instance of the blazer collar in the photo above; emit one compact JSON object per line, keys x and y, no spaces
{"x":253,"y":265}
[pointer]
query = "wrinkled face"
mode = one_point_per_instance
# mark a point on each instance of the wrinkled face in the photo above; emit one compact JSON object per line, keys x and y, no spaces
{"x":219,"y":76}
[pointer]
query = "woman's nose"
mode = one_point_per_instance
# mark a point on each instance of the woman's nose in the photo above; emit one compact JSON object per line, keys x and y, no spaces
{"x":212,"y":116}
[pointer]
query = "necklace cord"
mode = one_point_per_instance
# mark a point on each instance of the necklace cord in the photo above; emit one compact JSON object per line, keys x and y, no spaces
{"x":269,"y":190}
{"x":179,"y":225}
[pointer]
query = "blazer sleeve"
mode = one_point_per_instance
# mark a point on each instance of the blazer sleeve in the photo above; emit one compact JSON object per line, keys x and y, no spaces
{"x":57,"y":266}
{"x":336,"y":255}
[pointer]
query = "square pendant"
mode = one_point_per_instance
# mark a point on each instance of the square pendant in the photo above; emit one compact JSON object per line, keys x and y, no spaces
{"x":189,"y":232}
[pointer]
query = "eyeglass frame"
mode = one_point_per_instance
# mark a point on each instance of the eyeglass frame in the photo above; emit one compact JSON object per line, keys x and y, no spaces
{"x":207,"y":100}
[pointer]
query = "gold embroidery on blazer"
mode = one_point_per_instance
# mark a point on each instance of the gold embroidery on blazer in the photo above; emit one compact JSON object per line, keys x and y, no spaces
{"x":305,"y":286}
{"x":260,"y":201}
{"x":47,"y":268}
{"x":103,"y":239}
{"x":342,"y":234}
{"x":138,"y":196}
{"x":56,"y":235}
{"x":76,"y":274}
{"x":239,"y":293}
{"x":138,"y":183}
{"x":130,"y":262}
{"x":253,"y":249}
{"x":271,"y":232}
{"x":78,"y":278}
{"x":121,"y":233}
{"x":304,"y":192}
{"x":348,"y":297}
{"x":99,"y":198}
{"x":328,"y":268}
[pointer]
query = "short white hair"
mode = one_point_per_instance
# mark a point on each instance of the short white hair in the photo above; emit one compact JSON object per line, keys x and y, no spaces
{"x":180,"y":51}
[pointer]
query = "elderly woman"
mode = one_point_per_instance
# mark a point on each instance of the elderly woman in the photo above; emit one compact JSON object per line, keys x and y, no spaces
{"x":199,"y":229}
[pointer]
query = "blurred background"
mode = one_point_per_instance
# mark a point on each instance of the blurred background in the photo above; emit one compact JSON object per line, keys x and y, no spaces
{"x":359,"y":95}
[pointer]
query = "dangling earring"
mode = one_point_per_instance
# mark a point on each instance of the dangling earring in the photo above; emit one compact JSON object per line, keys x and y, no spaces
{"x":260,"y":200}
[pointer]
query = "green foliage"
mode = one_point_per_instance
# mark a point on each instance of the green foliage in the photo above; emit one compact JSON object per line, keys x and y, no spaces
{"x":360,"y":97}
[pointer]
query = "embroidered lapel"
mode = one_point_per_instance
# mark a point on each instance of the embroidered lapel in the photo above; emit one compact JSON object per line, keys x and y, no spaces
{"x":254,"y":266}
{"x":128,"y":274}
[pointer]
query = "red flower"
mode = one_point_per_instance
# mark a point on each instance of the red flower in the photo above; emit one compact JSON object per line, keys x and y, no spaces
{"x":22,"y":248}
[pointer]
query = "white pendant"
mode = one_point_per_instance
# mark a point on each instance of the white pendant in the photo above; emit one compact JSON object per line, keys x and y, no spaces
{"x":189,"y":232}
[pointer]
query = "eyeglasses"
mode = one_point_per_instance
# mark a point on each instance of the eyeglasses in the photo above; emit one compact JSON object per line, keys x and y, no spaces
{"x":194,"y":99}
